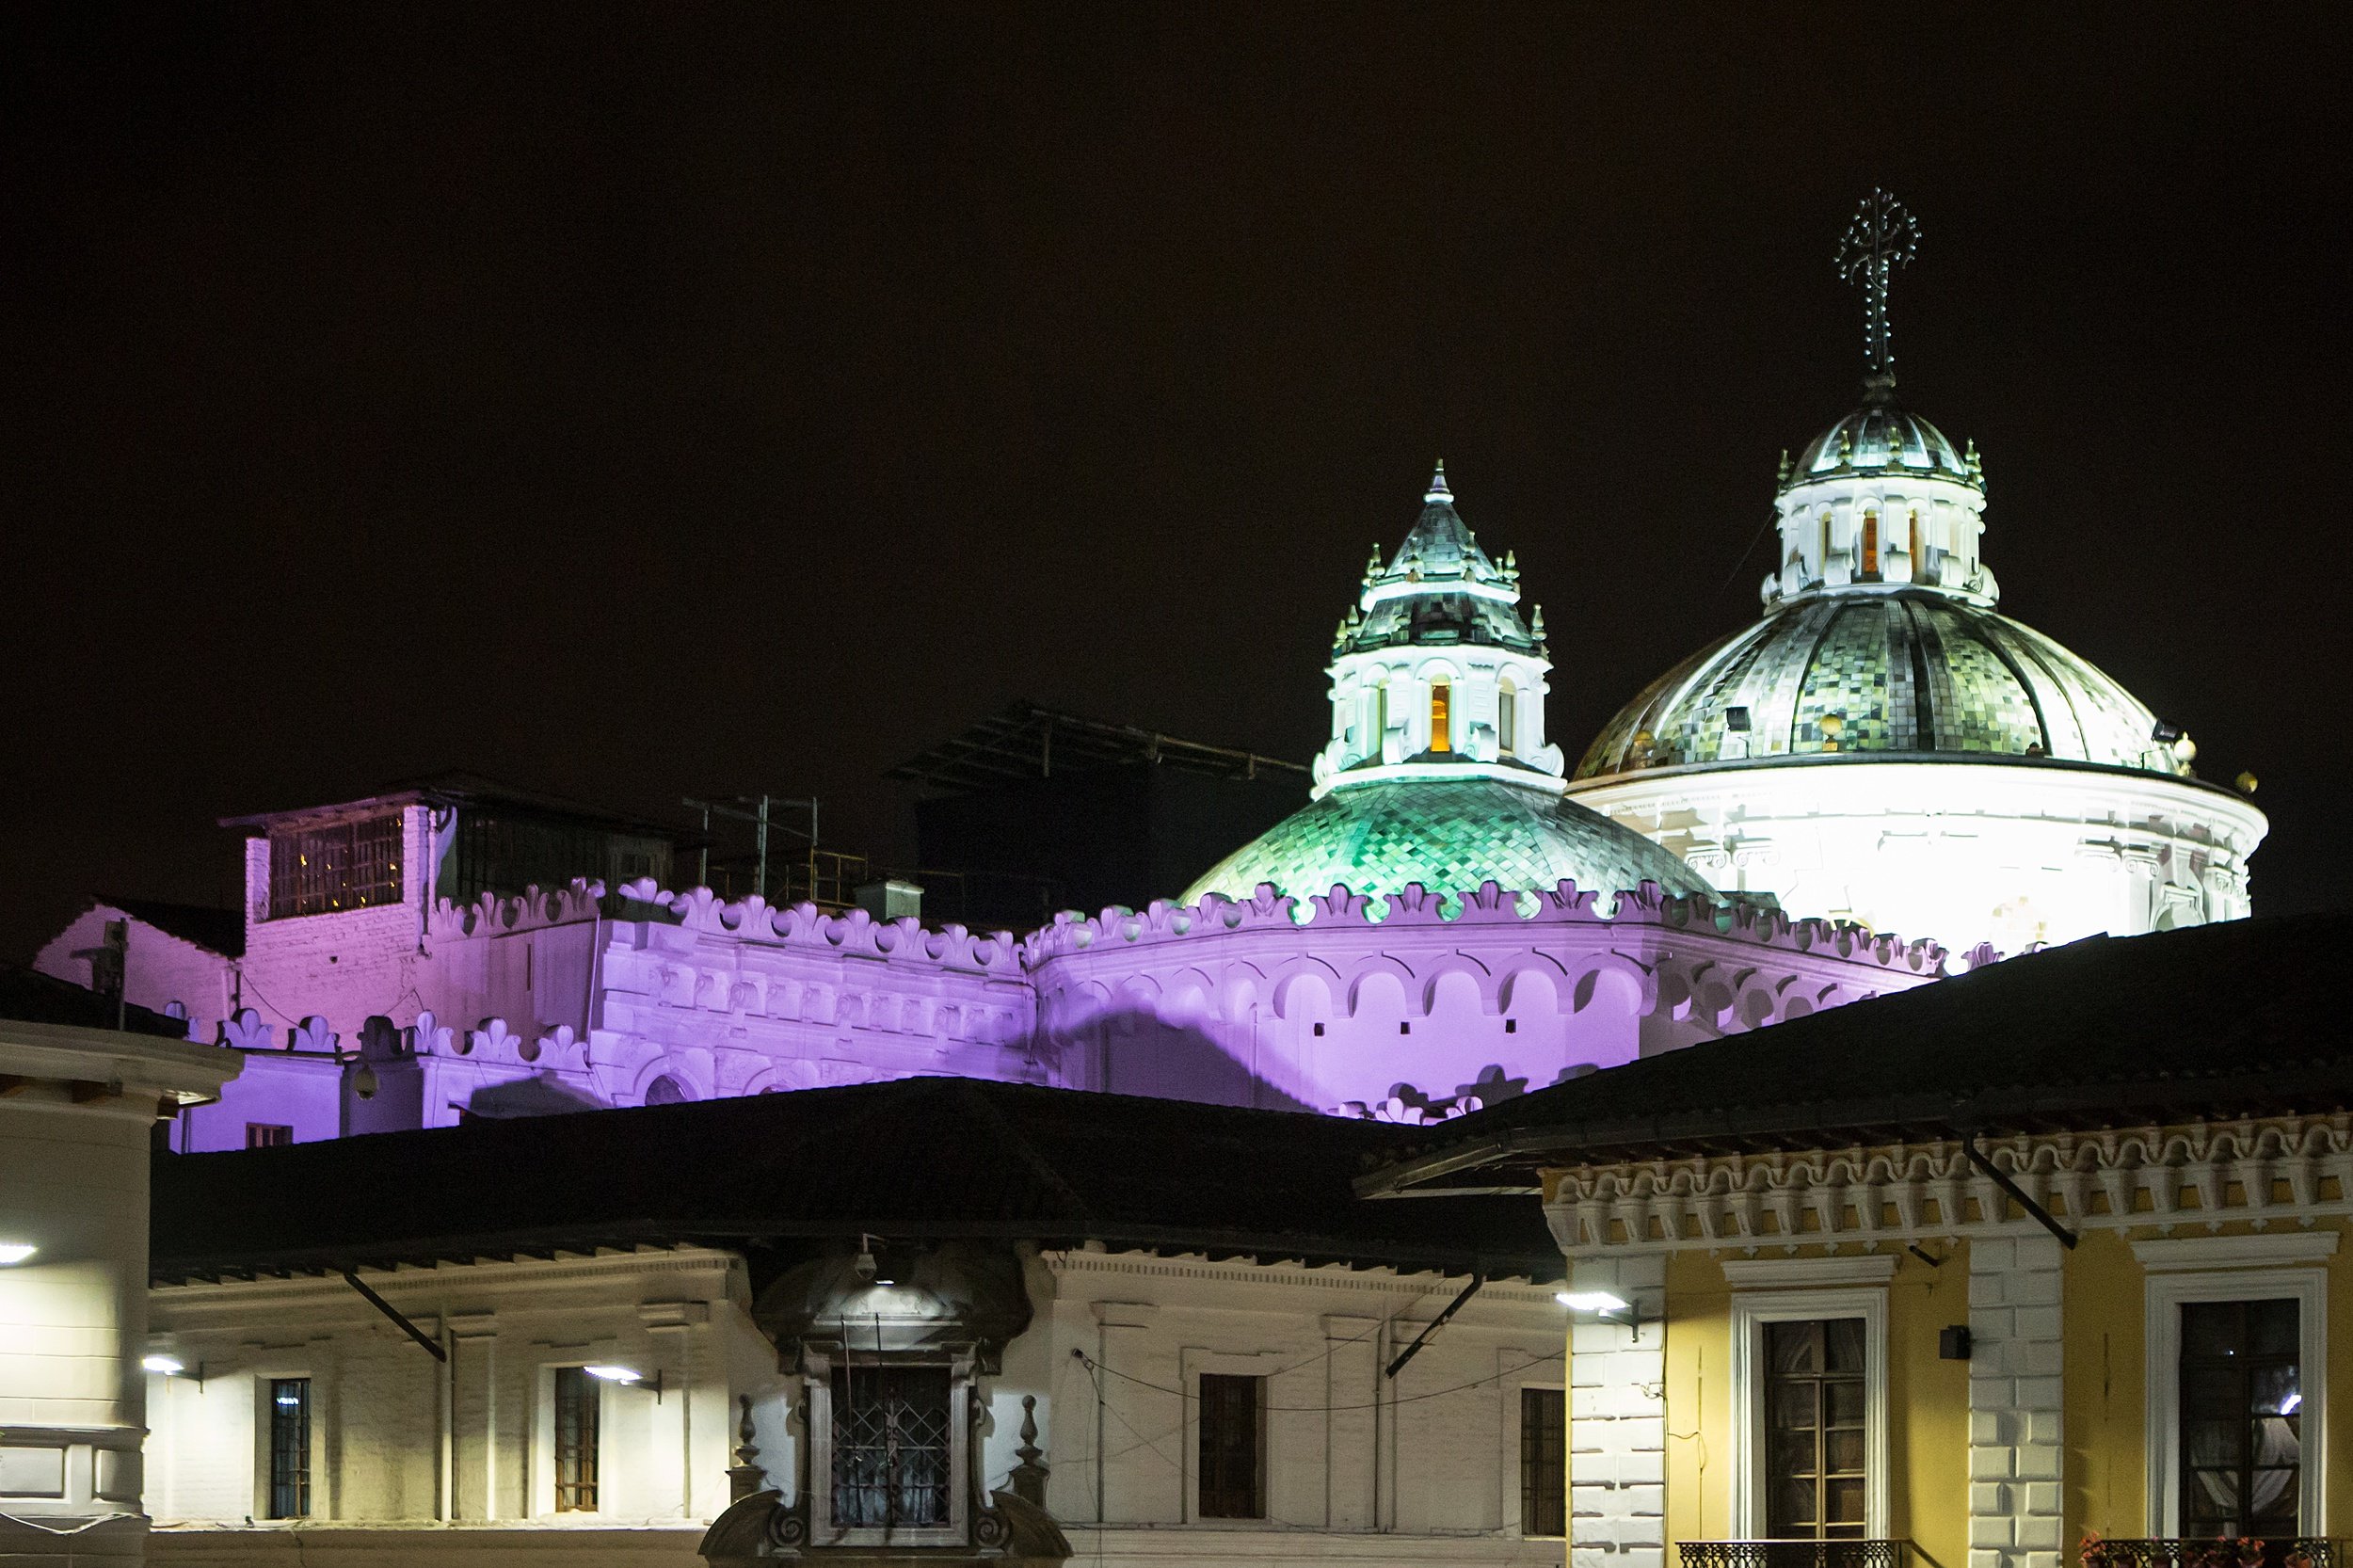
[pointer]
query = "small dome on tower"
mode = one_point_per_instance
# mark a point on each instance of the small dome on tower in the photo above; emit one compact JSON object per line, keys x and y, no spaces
{"x":1881,"y":437}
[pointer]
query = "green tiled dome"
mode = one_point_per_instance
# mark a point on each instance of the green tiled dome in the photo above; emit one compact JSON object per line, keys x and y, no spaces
{"x":1449,"y":836}
{"x":1903,"y":672}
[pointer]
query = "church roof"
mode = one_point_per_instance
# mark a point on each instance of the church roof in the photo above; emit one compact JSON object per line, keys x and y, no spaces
{"x":2214,"y":1021}
{"x":1881,"y":437}
{"x":1439,"y":588}
{"x":1450,"y":836}
{"x":918,"y":1159}
{"x":1903,"y":672}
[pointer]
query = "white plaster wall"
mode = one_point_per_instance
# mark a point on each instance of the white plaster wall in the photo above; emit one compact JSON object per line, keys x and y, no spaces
{"x":1424,"y":1469}
{"x":159,"y":970}
{"x":377,"y":1398}
{"x":1959,"y":852}
{"x":73,"y":1186}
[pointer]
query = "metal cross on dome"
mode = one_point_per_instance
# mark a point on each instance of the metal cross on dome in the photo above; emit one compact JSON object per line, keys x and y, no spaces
{"x":1882,"y":238}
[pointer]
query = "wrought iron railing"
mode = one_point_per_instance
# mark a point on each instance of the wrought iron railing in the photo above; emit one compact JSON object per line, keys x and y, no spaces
{"x":1793,"y":1553}
{"x":2243,"y":1552}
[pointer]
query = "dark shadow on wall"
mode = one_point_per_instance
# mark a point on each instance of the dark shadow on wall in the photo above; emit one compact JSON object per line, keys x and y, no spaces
{"x":1146,"y":1056}
{"x":542,"y":1095}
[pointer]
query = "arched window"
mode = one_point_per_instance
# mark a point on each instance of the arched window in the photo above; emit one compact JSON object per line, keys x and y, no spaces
{"x":1919,"y":568}
{"x":1508,"y":719}
{"x":1441,"y":716}
{"x":1821,"y":562}
{"x":1380,"y":712}
{"x":1870,"y":547}
{"x":665,"y":1091}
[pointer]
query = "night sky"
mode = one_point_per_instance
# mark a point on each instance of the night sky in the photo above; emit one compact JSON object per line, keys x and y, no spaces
{"x":633,"y":402}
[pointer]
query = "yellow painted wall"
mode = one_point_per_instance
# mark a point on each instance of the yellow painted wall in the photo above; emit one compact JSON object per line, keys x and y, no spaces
{"x":1928,"y":1400}
{"x":1928,"y":1405}
{"x":2104,"y":1315}
{"x":2107,"y":1383}
{"x":1699,"y":1400}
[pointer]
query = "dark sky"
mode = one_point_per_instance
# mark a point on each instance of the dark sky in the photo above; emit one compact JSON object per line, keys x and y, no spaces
{"x":643,"y":401}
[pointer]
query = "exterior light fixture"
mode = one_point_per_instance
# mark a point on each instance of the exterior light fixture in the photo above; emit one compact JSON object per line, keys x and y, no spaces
{"x":15,"y":1252}
{"x":167,"y":1366}
{"x":628,"y":1377}
{"x":1602,"y":1305}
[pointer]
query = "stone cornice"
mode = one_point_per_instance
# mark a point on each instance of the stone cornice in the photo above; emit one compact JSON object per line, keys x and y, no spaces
{"x":2297,"y":1168}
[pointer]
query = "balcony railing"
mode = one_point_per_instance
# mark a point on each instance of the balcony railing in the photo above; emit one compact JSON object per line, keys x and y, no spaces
{"x":1799,"y":1554}
{"x":2244,"y":1552}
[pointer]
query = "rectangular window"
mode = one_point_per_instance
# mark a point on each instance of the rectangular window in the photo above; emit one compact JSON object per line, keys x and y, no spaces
{"x":577,"y":1408}
{"x":1441,"y":717}
{"x":1508,"y":721}
{"x":290,"y":1448}
{"x":1814,"y":1440}
{"x":1231,"y":1469}
{"x":1543,"y":1461}
{"x":2242,"y":1420}
{"x":1870,"y":547}
{"x":266,"y":1135}
{"x":318,"y":869}
{"x":890,"y":1451}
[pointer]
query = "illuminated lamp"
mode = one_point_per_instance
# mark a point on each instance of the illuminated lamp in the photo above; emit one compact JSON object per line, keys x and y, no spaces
{"x":12,"y":1253}
{"x":169,"y":1365}
{"x":1601,"y":1304}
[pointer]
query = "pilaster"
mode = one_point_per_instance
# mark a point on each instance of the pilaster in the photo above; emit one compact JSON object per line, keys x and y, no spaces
{"x":2014,"y":1401}
{"x":1618,"y":1420}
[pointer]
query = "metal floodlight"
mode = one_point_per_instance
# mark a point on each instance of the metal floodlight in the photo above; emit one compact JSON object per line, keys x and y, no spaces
{"x":615,"y":1374}
{"x":1602,"y":1305}
{"x":169,"y":1365}
{"x":15,"y":1252}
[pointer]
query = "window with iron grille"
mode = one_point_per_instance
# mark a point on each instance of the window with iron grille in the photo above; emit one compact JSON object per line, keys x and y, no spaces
{"x":266,"y":1135}
{"x":322,"y":868}
{"x":290,"y":1448}
{"x":2242,"y":1418}
{"x":1815,"y":1403}
{"x":1543,"y":1461}
{"x":890,"y":1451}
{"x":577,"y":1409}
{"x":1232,"y":1474}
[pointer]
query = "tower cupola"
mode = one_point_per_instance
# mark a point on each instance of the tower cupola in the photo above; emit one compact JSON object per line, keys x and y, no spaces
{"x":1434,"y":674}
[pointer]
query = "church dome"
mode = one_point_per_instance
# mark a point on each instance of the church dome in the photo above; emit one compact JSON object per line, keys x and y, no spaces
{"x":1883,"y":438}
{"x":1893,"y":673}
{"x":1450,"y":836}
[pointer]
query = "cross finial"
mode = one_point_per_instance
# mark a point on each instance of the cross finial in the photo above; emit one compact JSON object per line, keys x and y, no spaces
{"x":1882,"y":238}
{"x":1437,"y":491}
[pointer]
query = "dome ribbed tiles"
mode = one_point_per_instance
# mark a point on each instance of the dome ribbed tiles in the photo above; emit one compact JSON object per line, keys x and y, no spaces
{"x":1901,"y":672}
{"x":1449,"y":836}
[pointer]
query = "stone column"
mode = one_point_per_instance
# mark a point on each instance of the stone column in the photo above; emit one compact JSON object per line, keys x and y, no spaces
{"x":1618,"y":1420}
{"x":2014,"y":1401}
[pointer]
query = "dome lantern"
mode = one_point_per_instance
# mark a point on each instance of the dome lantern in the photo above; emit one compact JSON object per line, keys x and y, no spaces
{"x":1435,"y":674}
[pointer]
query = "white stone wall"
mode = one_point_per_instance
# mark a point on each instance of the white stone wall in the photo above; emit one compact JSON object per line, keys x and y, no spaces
{"x":1414,"y":1015}
{"x":160,"y":970}
{"x":1618,"y":1419}
{"x":2015,"y":1398}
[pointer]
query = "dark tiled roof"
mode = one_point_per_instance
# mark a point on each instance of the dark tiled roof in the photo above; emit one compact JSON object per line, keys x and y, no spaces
{"x":916,"y":1159}
{"x":2241,"y":1017}
{"x":220,"y":931}
{"x":35,"y":998}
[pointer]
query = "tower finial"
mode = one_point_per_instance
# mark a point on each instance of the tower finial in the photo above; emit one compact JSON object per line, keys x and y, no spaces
{"x":1882,"y":238}
{"x":1437,"y":491}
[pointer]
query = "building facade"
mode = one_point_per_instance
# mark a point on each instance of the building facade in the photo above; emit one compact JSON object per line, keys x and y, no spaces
{"x":929,"y":1352}
{"x":2044,"y":1282}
